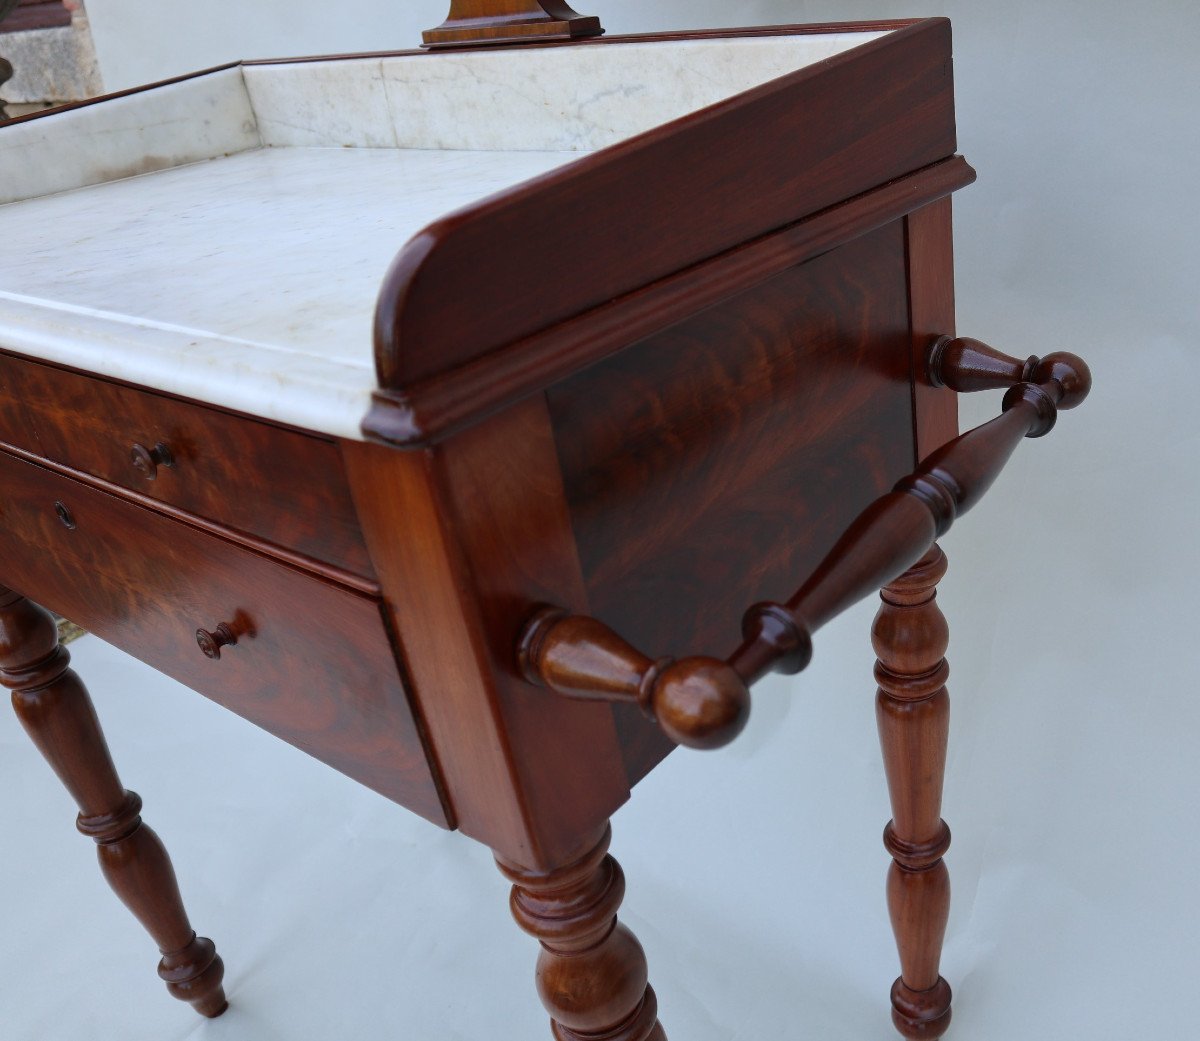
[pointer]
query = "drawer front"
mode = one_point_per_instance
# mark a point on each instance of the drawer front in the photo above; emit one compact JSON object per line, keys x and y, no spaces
{"x":313,"y":663}
{"x":248,"y":475}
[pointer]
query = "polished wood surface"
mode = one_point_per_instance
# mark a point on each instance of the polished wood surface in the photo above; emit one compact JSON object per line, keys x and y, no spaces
{"x":698,"y":702}
{"x":313,"y":663}
{"x":641,"y":395}
{"x":246,"y":474}
{"x":486,"y":534}
{"x":709,"y":466}
{"x":910,"y":637}
{"x":966,"y":365}
{"x":591,"y":973}
{"x":702,"y":702}
{"x":479,"y":22}
{"x":429,"y":411}
{"x":56,"y":711}
{"x":581,"y":236}
{"x":929,"y":250}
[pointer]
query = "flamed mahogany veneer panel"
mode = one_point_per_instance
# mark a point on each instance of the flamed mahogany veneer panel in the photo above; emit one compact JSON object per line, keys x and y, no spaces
{"x":713,"y":465}
{"x":312,"y":662}
{"x":283,"y":486}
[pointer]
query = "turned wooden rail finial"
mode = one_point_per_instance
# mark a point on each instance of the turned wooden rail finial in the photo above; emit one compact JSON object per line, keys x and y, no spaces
{"x":473,"y":23}
{"x":965,"y":365}
{"x":698,"y":702}
{"x":704,"y":702}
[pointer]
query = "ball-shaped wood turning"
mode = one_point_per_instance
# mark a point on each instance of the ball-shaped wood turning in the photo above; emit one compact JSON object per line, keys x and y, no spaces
{"x":700,"y":702}
{"x":1070,"y":372}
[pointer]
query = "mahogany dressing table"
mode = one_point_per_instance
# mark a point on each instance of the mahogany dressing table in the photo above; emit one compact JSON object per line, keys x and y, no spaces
{"x":661,"y":377}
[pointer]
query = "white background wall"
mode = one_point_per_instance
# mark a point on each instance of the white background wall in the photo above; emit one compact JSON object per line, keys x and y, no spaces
{"x":756,"y":874}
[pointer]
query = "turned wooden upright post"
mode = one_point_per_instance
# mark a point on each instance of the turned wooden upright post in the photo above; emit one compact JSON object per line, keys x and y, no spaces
{"x":55,"y":709}
{"x":591,"y":973}
{"x":910,"y":637}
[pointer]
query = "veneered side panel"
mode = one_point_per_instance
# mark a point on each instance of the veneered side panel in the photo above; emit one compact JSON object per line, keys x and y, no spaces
{"x":713,"y":465}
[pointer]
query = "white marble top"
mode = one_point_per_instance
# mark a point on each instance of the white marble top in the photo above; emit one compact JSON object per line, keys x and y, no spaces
{"x":225,"y":237}
{"x":249,"y":281}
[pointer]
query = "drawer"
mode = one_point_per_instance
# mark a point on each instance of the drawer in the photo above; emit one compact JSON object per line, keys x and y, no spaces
{"x":313,"y":662}
{"x":256,"y":477}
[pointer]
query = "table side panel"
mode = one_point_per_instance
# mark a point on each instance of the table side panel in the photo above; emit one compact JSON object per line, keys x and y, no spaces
{"x":280,"y":485}
{"x":313,"y":664}
{"x":713,"y":465}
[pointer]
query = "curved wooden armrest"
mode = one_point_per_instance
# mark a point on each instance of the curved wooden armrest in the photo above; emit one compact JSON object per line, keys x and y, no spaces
{"x":704,"y":702}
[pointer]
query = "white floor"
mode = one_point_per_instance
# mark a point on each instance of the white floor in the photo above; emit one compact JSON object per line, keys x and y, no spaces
{"x":755,"y":874}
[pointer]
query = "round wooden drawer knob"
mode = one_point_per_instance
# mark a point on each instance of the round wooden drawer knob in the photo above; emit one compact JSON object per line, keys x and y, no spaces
{"x":146,"y":461}
{"x":211,"y":643}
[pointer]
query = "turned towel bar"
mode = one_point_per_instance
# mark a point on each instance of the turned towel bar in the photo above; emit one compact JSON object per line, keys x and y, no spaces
{"x":704,"y":702}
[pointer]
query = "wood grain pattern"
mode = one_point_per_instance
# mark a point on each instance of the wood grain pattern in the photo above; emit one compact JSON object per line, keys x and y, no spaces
{"x":712,"y":465}
{"x":430,"y":410}
{"x":486,"y":536}
{"x":283,"y":486}
{"x":929,"y":248}
{"x":57,"y":713}
{"x":591,"y":972}
{"x":315,"y":666}
{"x":910,"y":637}
{"x":895,"y":531}
{"x":702,"y":701}
{"x":492,"y":22}
{"x":578,"y":236}
{"x":300,"y":561}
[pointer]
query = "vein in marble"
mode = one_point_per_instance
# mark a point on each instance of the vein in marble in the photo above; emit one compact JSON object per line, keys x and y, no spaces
{"x":583,"y":98}
{"x":340,"y":103}
{"x":248,"y":281}
{"x":177,"y":123}
{"x":553,"y":98}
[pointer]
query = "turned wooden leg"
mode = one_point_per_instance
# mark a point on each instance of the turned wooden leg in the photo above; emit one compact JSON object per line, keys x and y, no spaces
{"x":591,"y":973}
{"x":910,"y":636}
{"x":56,"y":711}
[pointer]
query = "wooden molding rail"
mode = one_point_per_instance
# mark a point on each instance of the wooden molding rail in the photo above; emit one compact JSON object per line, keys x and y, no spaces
{"x":704,"y":702}
{"x":429,"y":410}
